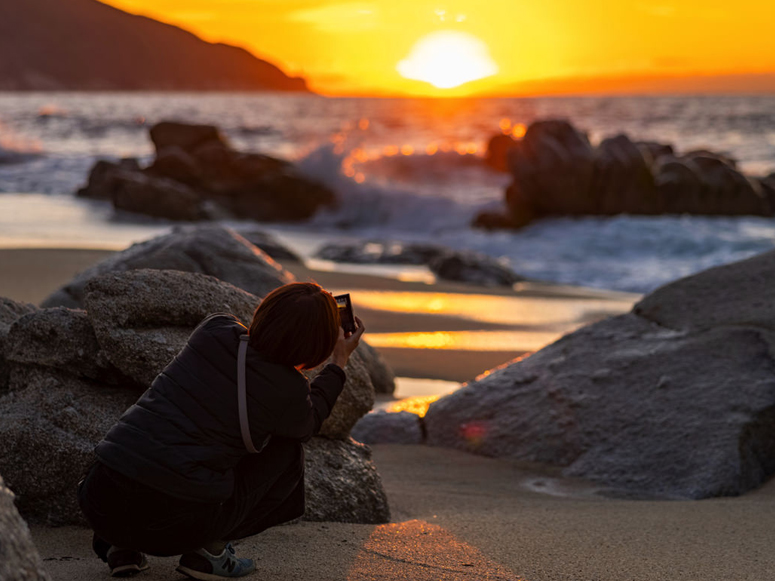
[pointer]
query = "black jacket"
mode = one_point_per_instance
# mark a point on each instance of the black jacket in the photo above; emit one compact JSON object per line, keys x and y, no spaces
{"x":183,"y":438}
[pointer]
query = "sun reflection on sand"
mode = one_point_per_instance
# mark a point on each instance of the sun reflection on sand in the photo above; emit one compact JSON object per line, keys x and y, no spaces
{"x":421,"y":551}
{"x":417,"y":405}
{"x":468,"y":340}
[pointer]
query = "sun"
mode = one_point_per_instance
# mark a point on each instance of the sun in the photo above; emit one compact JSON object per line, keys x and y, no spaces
{"x":448,"y":59}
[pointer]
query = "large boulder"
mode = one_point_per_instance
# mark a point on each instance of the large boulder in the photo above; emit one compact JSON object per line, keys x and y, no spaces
{"x":726,"y":191}
{"x":19,"y":559}
{"x":61,"y":401}
{"x":679,"y":186}
{"x":10,"y":311}
{"x":383,"y":427}
{"x":474,"y":268}
{"x":554,"y":166}
{"x":343,"y":470}
{"x":381,"y":374}
{"x":142,"y":318}
{"x":676,"y":399}
{"x":211,"y":250}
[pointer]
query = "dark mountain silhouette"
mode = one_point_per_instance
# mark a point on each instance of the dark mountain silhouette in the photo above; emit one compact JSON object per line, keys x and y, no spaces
{"x":87,"y":45}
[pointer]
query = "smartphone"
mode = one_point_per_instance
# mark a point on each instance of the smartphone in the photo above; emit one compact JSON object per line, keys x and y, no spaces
{"x":345,"y":306}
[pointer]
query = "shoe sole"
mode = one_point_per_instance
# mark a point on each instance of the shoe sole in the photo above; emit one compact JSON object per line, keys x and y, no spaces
{"x":128,"y":570}
{"x":194,"y":574}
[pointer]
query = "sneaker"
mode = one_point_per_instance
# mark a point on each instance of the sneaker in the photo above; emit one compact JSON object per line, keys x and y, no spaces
{"x":203,"y":565}
{"x":125,"y":562}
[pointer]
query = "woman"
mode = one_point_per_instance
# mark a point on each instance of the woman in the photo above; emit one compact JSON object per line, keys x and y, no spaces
{"x":193,"y":464}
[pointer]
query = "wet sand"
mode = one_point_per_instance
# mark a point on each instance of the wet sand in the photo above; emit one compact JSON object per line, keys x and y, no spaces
{"x":462,"y":517}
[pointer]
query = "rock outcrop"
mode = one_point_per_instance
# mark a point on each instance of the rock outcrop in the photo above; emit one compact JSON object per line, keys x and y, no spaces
{"x":197,"y":175}
{"x":19,"y":559}
{"x":389,"y":428}
{"x":74,"y":372}
{"x":676,"y":399}
{"x":211,"y":250}
{"x":557,"y":172}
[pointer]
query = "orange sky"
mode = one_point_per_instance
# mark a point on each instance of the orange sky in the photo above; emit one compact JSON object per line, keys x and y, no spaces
{"x":353,"y":46}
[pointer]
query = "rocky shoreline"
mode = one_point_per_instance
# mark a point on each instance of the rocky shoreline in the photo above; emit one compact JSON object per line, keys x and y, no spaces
{"x":556,"y":171}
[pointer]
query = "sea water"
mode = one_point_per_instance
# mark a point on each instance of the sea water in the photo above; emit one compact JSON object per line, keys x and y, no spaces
{"x":407,"y":169}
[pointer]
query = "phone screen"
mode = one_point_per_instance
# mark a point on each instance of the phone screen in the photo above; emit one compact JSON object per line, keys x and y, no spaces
{"x":345,"y":306}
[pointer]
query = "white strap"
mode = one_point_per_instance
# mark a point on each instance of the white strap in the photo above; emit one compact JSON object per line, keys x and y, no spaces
{"x":242,"y":395}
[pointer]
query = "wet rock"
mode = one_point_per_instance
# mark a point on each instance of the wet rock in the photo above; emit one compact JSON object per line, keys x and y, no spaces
{"x":62,"y":339}
{"x":554,"y":165}
{"x":210,"y":250}
{"x":389,"y":428}
{"x":10,"y":311}
{"x":19,"y":559}
{"x":142,"y":318}
{"x":674,"y":400}
{"x":342,"y":484}
{"x":185,"y":136}
{"x":381,"y":252}
{"x":473,"y":268}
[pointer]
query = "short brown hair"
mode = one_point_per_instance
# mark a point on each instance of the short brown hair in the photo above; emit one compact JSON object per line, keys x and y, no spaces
{"x":296,"y":324}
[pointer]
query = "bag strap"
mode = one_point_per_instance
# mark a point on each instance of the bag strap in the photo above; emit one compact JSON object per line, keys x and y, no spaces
{"x":242,"y":395}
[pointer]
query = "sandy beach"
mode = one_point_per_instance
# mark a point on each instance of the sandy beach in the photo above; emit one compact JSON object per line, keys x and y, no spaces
{"x":455,"y":515}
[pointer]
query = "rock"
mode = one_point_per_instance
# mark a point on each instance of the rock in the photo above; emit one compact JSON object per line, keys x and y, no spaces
{"x":159,"y":197}
{"x":382,"y":377}
{"x":47,"y":435}
{"x":269,"y":244}
{"x":767,"y":185}
{"x":674,"y":400}
{"x":381,"y":252}
{"x":185,"y":136}
{"x":197,"y":176}
{"x":19,"y":559}
{"x":496,"y":221}
{"x":679,"y":186}
{"x":473,"y":268}
{"x":9,"y":311}
{"x":389,"y":428}
{"x":355,"y":401}
{"x":734,"y":294}
{"x":62,"y":339}
{"x":342,"y":484}
{"x":105,"y":175}
{"x":623,"y":180}
{"x":142,"y":318}
{"x":176,"y":164}
{"x":725,"y":191}
{"x":554,"y":166}
{"x":211,"y":250}
{"x":653,"y":150}
{"x":497,"y":152}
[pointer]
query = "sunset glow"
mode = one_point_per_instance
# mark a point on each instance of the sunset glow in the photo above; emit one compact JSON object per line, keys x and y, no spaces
{"x":353,"y":47}
{"x":448,"y":59}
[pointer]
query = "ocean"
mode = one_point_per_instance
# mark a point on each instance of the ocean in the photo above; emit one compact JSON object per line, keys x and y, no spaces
{"x":404,"y":169}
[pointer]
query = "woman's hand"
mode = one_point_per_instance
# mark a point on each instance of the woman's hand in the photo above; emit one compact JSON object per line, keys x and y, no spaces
{"x":346,"y":344}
